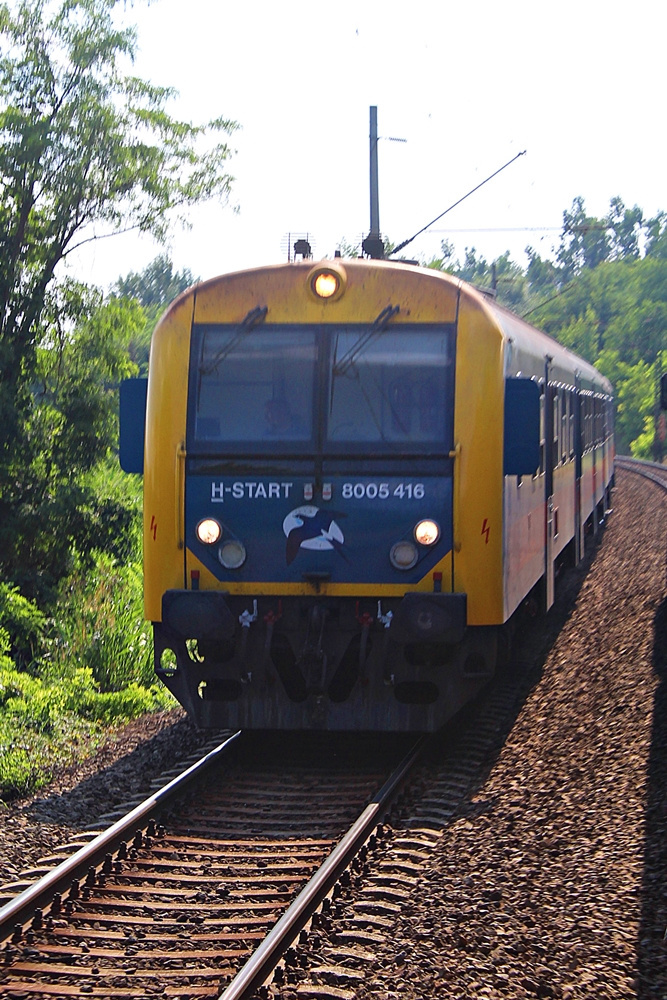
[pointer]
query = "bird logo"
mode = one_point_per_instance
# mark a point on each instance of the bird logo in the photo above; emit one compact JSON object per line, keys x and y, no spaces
{"x":309,"y":527}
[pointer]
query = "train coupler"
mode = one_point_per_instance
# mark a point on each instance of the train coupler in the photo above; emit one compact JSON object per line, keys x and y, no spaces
{"x":271,"y":618}
{"x":313,"y":656}
{"x":365,"y":619}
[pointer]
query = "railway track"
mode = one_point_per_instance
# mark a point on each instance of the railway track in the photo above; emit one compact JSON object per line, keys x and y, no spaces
{"x":175,"y":896}
{"x":649,"y":470}
{"x":239,"y":882}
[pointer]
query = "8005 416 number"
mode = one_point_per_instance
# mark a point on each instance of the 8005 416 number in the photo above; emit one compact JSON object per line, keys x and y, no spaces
{"x":383,"y":491}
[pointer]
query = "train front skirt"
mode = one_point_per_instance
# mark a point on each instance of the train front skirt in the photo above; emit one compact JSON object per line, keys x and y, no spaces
{"x":315,"y":663}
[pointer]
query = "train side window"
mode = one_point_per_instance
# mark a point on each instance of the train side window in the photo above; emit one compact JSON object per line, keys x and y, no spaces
{"x":556,"y":419}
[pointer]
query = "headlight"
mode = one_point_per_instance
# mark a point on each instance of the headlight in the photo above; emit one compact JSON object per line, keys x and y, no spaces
{"x":208,"y":531}
{"x":232,"y":554}
{"x":327,"y":281}
{"x":427,"y":532}
{"x":403,"y":555}
{"x":326,"y":284}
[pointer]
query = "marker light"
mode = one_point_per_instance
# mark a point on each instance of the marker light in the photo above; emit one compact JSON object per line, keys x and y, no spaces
{"x":232,"y":554}
{"x":327,"y":281}
{"x":403,"y":555}
{"x":427,"y":532}
{"x":326,"y":284}
{"x":208,"y":531}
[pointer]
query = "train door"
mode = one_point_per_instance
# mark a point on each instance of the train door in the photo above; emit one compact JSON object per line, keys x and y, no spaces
{"x":578,"y":452}
{"x":549,"y":575}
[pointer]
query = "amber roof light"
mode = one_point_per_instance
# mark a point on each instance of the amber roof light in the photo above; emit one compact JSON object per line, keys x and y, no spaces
{"x":327,"y":281}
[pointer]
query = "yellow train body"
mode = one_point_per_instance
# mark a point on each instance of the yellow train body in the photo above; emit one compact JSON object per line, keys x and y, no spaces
{"x":501,"y":532}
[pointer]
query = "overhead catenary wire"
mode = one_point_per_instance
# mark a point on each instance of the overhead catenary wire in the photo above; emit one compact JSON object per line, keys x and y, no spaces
{"x":405,"y":243}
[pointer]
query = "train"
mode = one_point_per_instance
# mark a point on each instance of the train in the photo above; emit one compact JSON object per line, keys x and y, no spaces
{"x":355,"y":473}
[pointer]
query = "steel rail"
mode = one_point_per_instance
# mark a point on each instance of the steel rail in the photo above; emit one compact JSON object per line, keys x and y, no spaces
{"x":23,"y":907}
{"x":643,"y":468}
{"x":265,"y":959}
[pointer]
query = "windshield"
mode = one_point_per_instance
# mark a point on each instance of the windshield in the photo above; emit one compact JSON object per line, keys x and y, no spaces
{"x":255,"y":387}
{"x":337,"y":389}
{"x":391,"y":387}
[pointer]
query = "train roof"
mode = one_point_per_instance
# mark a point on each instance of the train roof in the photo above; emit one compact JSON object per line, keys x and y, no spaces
{"x":523,"y":336}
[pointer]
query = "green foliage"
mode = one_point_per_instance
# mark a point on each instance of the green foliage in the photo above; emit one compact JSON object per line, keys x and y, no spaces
{"x":502,"y":276}
{"x":104,"y":630}
{"x":600,"y":297}
{"x":94,"y":670}
{"x":86,"y":668}
{"x":84,"y":150}
{"x":22,"y":626}
{"x":151,"y":289}
{"x":157,"y":285}
{"x":615,"y":315}
{"x":45,"y":722}
{"x":50,"y":506}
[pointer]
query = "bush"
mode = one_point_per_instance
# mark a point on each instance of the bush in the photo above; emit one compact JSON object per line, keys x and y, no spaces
{"x":46,"y":722}
{"x":102,"y":627}
{"x":24,"y":625}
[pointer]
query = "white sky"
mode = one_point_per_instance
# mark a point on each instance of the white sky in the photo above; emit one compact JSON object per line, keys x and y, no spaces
{"x":579,"y":85}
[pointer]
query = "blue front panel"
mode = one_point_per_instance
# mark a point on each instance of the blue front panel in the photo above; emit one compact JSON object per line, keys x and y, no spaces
{"x":348,"y":536}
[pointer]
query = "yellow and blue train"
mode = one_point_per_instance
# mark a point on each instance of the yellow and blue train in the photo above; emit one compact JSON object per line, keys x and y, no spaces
{"x":355,"y":472}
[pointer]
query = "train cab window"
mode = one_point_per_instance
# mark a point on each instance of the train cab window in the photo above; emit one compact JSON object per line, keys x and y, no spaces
{"x":392,"y":389}
{"x":343,"y":389}
{"x":254,"y":387}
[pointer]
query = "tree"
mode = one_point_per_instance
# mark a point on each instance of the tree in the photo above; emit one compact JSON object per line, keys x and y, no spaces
{"x":84,"y":150}
{"x":52,"y":510}
{"x":626,"y":226}
{"x":502,"y":276}
{"x":153,"y":288}
{"x":157,"y":285}
{"x":584,"y":241}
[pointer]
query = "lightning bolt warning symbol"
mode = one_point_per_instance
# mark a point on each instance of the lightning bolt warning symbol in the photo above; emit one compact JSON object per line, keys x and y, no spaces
{"x":486,"y":528}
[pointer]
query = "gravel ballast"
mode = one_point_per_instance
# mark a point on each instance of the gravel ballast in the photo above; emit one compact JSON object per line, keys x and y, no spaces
{"x":552,"y":881}
{"x":121,"y":769}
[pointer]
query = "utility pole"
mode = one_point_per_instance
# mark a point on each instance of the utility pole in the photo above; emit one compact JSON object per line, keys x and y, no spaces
{"x":373,"y":245}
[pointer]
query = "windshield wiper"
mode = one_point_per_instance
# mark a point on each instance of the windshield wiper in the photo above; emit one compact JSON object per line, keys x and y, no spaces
{"x":253,"y":319}
{"x":379,"y":326}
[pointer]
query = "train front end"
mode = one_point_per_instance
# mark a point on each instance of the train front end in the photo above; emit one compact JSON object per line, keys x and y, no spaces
{"x":300,"y":481}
